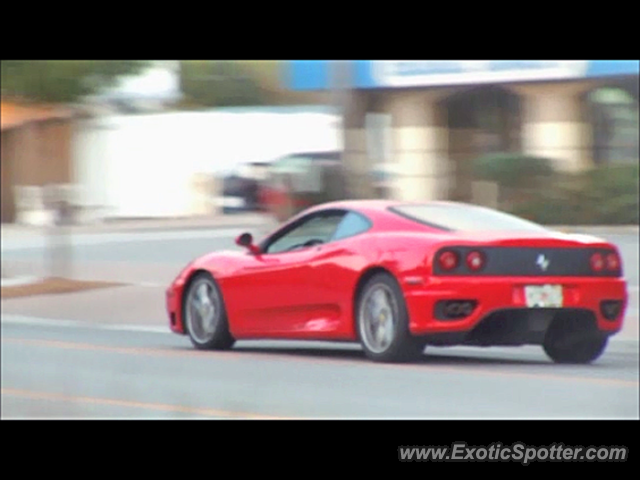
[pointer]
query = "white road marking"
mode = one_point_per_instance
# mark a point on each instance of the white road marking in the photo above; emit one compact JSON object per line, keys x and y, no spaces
{"x":150,"y":285}
{"x":136,"y":328}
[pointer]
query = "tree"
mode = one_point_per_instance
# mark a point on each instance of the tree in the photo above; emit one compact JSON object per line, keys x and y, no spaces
{"x":270,"y":74}
{"x":218,"y":83}
{"x":64,"y":80}
{"x":242,"y":82}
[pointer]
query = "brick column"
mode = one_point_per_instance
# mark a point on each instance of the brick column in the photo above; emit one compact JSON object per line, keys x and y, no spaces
{"x":555,"y":124}
{"x":354,"y":138}
{"x":420,"y":144}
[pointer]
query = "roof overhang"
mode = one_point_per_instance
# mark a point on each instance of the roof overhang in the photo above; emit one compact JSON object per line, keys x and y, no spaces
{"x":14,"y":114}
{"x":309,"y":75}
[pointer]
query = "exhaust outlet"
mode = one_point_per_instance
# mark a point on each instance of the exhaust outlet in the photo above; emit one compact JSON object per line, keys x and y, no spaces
{"x":466,"y":308}
{"x":454,"y":309}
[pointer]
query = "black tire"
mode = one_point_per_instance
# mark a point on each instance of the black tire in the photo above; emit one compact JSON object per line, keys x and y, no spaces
{"x":403,"y":347}
{"x":219,"y":338}
{"x":569,"y":342}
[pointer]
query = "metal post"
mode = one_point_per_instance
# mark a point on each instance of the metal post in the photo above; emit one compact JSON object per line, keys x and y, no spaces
{"x":340,"y":83}
{"x":59,"y":242}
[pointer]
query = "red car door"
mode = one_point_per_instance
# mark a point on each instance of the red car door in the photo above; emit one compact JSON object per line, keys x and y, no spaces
{"x":281,"y":291}
{"x":275,"y":292}
{"x":336,"y":269}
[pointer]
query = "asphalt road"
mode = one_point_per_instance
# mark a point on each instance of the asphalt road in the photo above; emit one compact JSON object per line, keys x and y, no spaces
{"x":75,"y":372}
{"x":70,"y":370}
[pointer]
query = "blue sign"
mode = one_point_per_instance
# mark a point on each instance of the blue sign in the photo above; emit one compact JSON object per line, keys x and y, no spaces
{"x":320,"y":74}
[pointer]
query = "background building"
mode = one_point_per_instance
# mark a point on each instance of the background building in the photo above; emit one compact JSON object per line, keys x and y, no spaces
{"x":431,"y":118}
{"x":37,"y":143}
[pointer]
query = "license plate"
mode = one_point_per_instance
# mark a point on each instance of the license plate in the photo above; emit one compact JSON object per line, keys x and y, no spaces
{"x":543,"y":296}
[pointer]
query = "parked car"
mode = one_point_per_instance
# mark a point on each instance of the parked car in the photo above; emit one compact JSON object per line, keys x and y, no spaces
{"x":301,"y":180}
{"x":240,"y":190}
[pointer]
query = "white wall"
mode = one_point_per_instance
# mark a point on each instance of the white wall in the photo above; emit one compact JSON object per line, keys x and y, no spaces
{"x":143,"y":165}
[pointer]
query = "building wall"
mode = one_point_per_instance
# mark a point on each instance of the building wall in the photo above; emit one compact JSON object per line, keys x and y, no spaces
{"x":145,"y":166}
{"x":34,"y":154}
{"x":436,"y":139}
{"x":7,"y":161}
{"x":43,"y":153}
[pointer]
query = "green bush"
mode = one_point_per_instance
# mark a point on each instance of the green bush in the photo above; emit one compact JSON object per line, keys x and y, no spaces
{"x":602,"y":196}
{"x":512,"y":170}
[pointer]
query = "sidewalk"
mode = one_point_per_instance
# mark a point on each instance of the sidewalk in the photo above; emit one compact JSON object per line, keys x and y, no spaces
{"x":144,"y":225}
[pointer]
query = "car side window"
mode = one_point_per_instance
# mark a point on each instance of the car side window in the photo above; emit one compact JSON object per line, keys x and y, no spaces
{"x":352,"y":224}
{"x":317,"y":230}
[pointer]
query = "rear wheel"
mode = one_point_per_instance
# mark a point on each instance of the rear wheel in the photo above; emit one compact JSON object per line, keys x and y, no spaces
{"x":383,"y":322}
{"x":568,"y":341}
{"x":205,"y":315}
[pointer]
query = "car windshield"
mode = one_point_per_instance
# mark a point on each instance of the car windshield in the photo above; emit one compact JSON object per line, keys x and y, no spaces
{"x":465,"y":218}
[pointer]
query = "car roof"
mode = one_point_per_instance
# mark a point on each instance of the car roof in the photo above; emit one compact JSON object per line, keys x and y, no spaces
{"x":377,"y":208}
{"x":379,"y":211}
{"x":380,"y":205}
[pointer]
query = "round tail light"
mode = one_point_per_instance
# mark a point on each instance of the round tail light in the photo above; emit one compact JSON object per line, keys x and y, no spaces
{"x":613,"y":262}
{"x":475,"y":261}
{"x":597,"y":262}
{"x":448,"y":260}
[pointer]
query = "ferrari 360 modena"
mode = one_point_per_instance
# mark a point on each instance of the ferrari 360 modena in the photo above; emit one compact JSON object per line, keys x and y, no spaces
{"x":399,"y":276}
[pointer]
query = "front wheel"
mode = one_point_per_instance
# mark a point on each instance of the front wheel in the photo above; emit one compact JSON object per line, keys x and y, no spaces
{"x":205,"y":315}
{"x":383,"y":322}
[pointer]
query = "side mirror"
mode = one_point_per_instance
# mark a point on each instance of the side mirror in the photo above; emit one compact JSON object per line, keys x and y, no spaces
{"x":246,"y":240}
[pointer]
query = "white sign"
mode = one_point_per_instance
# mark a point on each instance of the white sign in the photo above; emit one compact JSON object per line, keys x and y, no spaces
{"x":396,"y":73}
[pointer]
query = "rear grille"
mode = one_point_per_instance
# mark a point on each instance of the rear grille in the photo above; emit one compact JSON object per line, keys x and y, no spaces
{"x":530,"y":262}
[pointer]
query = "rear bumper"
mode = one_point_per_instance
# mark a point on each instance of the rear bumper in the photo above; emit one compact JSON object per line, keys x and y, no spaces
{"x":494,"y":295}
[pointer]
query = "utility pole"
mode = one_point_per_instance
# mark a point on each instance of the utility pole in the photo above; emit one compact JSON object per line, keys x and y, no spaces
{"x":341,"y":76}
{"x":340,"y":83}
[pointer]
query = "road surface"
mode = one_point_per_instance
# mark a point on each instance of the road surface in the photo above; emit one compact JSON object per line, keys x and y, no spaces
{"x":76,"y":372}
{"x":108,"y":354}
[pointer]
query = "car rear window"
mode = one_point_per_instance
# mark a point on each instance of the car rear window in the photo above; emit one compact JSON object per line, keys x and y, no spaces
{"x":465,"y":218}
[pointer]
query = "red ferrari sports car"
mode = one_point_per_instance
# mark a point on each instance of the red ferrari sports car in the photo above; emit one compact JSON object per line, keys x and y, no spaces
{"x":397,"y":277}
